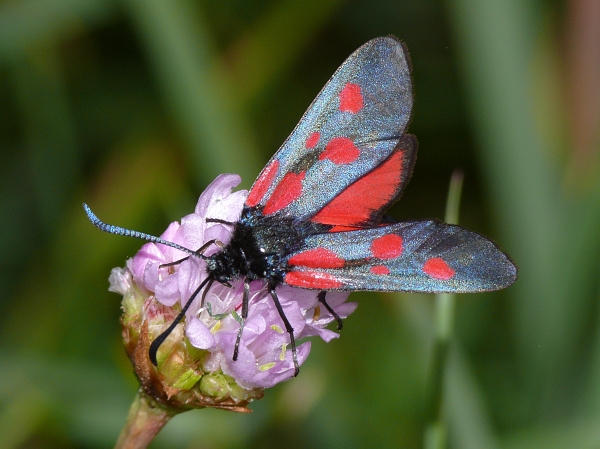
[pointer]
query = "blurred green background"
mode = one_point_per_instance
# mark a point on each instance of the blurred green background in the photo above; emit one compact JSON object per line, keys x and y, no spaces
{"x":134,"y":106}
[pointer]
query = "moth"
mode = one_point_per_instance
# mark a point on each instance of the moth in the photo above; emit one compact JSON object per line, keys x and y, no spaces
{"x":314,"y":218}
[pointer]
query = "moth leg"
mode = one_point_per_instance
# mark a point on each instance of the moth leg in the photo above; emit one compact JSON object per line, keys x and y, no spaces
{"x":162,"y":337}
{"x":172,"y":264}
{"x":288,"y":328}
{"x":244,"y":316}
{"x":218,"y":220}
{"x":321,"y":298}
{"x":205,"y":292}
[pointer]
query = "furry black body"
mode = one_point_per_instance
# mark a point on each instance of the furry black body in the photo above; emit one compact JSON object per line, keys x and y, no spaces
{"x":260,"y":247}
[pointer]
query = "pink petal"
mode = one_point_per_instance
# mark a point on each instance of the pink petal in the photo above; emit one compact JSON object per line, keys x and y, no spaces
{"x":167,"y":291}
{"x":199,"y":335}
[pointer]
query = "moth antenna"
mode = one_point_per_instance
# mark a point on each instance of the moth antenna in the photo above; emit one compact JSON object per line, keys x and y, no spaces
{"x":321,"y":298}
{"x":162,"y":337}
{"x":130,"y":233}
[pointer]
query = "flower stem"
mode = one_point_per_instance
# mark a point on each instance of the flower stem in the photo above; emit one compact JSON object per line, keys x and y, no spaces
{"x":436,"y":431}
{"x":146,"y":418}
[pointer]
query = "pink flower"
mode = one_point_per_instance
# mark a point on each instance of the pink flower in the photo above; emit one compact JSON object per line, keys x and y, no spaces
{"x":264,"y":357}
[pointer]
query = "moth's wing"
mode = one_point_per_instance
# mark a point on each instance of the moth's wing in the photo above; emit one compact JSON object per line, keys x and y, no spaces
{"x":351,"y":128}
{"x":415,"y":256}
{"x":362,"y":203}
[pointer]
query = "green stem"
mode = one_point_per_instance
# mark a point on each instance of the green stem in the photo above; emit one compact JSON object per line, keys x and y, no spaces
{"x":436,"y":431}
{"x":146,"y":418}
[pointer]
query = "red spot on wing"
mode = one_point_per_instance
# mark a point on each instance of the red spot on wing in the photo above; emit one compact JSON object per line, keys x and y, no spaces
{"x":364,"y":198}
{"x":380,"y":269}
{"x":437,"y":268}
{"x":387,"y":247}
{"x":340,"y":150}
{"x":312,"y":279}
{"x":288,"y":189}
{"x":317,"y":258}
{"x":262,"y":184}
{"x":312,"y":140}
{"x":351,"y":99}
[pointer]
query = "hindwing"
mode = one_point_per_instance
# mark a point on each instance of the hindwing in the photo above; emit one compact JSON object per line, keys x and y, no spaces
{"x":413,"y":256}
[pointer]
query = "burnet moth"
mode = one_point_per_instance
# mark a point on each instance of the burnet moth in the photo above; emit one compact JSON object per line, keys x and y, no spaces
{"x":314,"y":217}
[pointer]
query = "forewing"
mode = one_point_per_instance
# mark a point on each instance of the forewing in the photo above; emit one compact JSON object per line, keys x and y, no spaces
{"x":363,"y":202}
{"x":352,"y":126}
{"x":416,"y":256}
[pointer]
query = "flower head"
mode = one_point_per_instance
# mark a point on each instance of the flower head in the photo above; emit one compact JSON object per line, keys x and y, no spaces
{"x":195,"y":364}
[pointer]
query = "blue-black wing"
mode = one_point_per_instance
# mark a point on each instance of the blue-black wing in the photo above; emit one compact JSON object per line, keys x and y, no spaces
{"x":351,"y":128}
{"x":415,"y":256}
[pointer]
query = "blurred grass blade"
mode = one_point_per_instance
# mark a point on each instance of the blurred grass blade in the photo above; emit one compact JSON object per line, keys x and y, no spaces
{"x":78,"y":310}
{"x":43,"y":390}
{"x":201,"y":99}
{"x":49,"y":128}
{"x":495,"y":43}
{"x":274,"y":43}
{"x":584,"y":267}
{"x":27,"y":23}
{"x":21,"y":416}
{"x":436,"y":431}
{"x":469,"y":422}
{"x":453,"y":201}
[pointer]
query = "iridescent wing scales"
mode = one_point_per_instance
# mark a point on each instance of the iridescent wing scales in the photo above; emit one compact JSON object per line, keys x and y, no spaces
{"x":415,"y":256}
{"x":362,"y":203}
{"x":353,"y":125}
{"x":344,"y":164}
